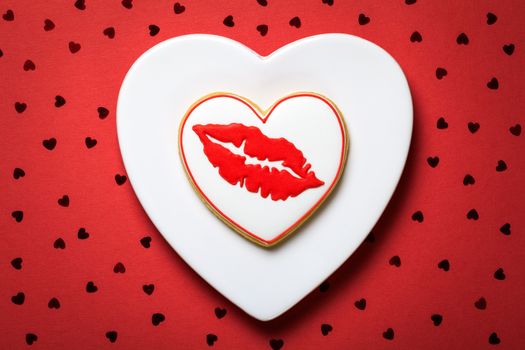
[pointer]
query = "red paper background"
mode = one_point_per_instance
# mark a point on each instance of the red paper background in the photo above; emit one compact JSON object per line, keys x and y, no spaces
{"x":402,"y":298}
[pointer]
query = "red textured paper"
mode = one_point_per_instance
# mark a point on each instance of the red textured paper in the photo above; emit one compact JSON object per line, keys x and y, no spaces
{"x":402,"y":297}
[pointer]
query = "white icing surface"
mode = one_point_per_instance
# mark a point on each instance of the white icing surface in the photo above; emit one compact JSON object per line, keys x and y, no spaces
{"x":308,"y":122}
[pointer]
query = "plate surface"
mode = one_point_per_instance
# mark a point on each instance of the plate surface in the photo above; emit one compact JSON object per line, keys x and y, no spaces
{"x":363,"y":80}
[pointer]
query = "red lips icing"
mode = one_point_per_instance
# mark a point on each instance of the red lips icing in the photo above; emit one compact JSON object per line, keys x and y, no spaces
{"x":278,"y":184}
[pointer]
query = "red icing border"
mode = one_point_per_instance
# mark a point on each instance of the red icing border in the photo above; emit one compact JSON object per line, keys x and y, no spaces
{"x":264,"y":118}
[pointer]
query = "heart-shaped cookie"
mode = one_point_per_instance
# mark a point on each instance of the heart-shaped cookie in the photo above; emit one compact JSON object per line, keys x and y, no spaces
{"x":370,"y":91}
{"x":263,"y":172}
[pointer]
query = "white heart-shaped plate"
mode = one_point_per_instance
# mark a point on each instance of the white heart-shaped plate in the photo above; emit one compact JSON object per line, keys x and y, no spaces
{"x":365,"y":83}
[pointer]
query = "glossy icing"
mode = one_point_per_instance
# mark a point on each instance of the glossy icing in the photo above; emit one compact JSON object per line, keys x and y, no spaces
{"x":263,"y":176}
{"x":257,"y":178}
